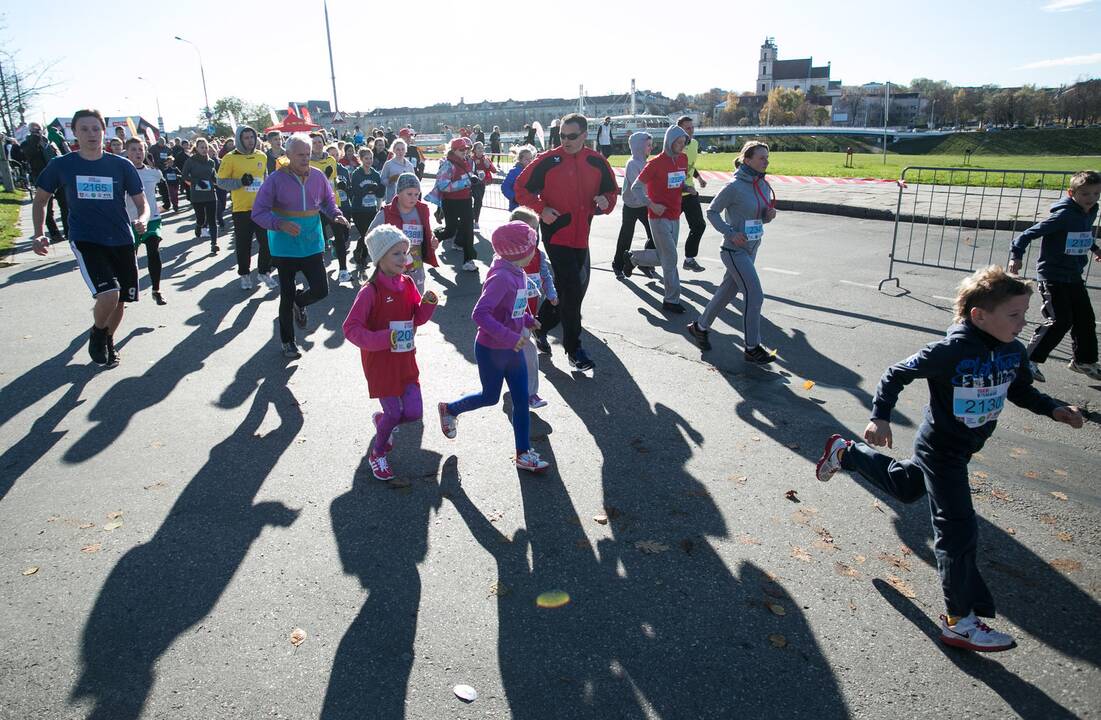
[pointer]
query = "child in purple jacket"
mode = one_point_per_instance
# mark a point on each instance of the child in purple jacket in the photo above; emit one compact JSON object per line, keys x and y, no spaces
{"x":504,"y":324}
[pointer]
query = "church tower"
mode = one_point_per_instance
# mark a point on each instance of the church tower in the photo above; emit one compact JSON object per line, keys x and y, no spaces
{"x":765,"y":65}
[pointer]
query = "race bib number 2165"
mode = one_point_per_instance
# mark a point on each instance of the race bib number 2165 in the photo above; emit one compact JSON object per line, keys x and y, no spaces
{"x":94,"y":187}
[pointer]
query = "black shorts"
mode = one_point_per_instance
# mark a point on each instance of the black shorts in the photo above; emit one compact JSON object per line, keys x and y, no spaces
{"x":106,"y":268}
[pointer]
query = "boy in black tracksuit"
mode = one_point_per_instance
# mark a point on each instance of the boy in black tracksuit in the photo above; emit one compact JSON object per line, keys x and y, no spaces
{"x":1066,"y":242}
{"x":971,"y":373}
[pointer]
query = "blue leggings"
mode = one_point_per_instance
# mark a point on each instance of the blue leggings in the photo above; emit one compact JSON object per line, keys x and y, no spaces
{"x":495,"y":366}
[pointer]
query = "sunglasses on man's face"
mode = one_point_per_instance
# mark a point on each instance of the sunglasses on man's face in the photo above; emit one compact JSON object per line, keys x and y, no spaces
{"x":571,"y":136}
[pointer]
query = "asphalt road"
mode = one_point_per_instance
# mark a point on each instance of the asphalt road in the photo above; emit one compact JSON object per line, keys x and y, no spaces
{"x":247,"y":510}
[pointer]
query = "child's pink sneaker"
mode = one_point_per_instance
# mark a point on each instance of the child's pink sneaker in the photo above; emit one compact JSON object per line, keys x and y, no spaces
{"x":530,"y":461}
{"x":380,"y":468}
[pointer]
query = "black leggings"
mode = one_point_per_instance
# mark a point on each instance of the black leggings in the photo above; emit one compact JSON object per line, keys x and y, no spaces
{"x":478,"y":192}
{"x":153,"y":261}
{"x":312,"y":268}
{"x":206,"y":216}
{"x":458,"y":216}
{"x":571,"y":279}
{"x":627,"y":234}
{"x":244,"y":229}
{"x":340,"y":245}
{"x":693,"y":213}
{"x":362,"y":219}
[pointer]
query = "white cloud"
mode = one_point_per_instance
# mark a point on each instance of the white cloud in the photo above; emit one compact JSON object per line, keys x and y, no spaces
{"x":1092,"y":59}
{"x":1065,"y":5}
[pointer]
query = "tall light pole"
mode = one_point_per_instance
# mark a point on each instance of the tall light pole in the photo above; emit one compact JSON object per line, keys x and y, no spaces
{"x":886,"y":112}
{"x":332,"y":68}
{"x":202,"y":73}
{"x":157,"y":97}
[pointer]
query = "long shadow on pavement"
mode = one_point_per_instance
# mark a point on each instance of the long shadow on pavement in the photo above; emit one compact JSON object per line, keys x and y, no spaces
{"x":161,"y":588}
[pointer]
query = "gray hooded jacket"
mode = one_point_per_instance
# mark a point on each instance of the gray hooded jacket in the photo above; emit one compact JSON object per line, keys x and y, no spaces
{"x":637,"y":143}
{"x":672,"y":134}
{"x":744,"y":198}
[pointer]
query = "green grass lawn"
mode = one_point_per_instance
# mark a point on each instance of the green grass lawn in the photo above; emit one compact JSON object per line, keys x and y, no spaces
{"x":9,"y":218}
{"x":871,"y":166}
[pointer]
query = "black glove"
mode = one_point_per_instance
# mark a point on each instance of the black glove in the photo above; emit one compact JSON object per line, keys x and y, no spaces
{"x":328,"y":171}
{"x":341,"y":185}
{"x":246,"y":180}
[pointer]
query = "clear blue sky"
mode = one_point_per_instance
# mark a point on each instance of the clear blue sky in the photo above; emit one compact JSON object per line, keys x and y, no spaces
{"x":275,"y":51}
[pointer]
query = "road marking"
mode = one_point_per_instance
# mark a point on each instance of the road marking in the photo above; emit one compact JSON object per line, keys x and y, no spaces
{"x":784,"y":272}
{"x":863,"y":285}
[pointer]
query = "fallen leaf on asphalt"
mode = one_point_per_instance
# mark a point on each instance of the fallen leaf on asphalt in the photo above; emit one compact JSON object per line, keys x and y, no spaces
{"x":93,"y":548}
{"x":739,"y":479}
{"x":755,"y":438}
{"x":1011,"y":531}
{"x":1001,"y":495}
{"x":778,"y":641}
{"x":745,"y":539}
{"x":1048,"y":519}
{"x":773,"y":590}
{"x":898,"y":562}
{"x":845,"y":570}
{"x":499,"y":589}
{"x":552,"y":599}
{"x":155,"y":486}
{"x":1058,"y":495}
{"x":1032,"y":475}
{"x":114,"y":515}
{"x":113,"y":525}
{"x":465,"y":693}
{"x":902,"y":586}
{"x":859,"y":558}
{"x":877,"y":506}
{"x":800,"y":554}
{"x":808,"y":384}
{"x":777,"y":609}
{"x":979,"y":474}
{"x":1018,"y":452}
{"x":852,"y":606}
{"x":1060,"y":472}
{"x":86,"y":526}
{"x":651,"y":547}
{"x":600,"y":519}
{"x":298,"y":636}
{"x":791,"y":495}
{"x":1066,"y":565}
{"x":156,"y":444}
{"x":31,"y":570}
{"x":793,"y":446}
{"x":905,"y":550}
{"x":1065,"y":536}
{"x":824,"y":536}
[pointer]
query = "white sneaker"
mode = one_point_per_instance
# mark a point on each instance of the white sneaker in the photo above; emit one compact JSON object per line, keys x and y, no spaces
{"x":469,"y":266}
{"x":1090,"y":370}
{"x":970,"y":633}
{"x":343,"y":277}
{"x":268,"y":280}
{"x":830,"y":462}
{"x":1037,"y":375}
{"x":246,"y":282}
{"x":531,"y":461}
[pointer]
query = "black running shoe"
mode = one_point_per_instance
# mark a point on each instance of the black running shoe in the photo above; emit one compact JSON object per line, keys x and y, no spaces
{"x":580,"y":360}
{"x":675,"y":308}
{"x":541,"y":342}
{"x":628,"y":265}
{"x":159,"y":298}
{"x":113,"y":356}
{"x":700,"y":335}
{"x":300,"y":316}
{"x":758,"y":355}
{"x":97,"y":345}
{"x":647,"y":271}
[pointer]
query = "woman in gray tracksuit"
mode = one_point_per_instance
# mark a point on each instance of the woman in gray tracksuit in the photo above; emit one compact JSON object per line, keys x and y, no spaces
{"x":739,"y":212}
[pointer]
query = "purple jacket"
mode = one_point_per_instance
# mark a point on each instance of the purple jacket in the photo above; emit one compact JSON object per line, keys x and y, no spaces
{"x":505,"y":288}
{"x":283,"y":190}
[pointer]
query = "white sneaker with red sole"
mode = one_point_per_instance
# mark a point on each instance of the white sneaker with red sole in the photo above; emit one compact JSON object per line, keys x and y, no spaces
{"x":970,"y":633}
{"x":531,"y":462}
{"x":830,"y":462}
{"x":448,"y":422}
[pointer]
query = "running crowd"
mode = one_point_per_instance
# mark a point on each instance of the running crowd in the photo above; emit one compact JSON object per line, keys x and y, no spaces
{"x":296,"y":197}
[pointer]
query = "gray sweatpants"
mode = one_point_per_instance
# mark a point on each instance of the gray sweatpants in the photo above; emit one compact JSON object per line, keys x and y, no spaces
{"x":531,"y":357}
{"x":664,"y":254}
{"x":741,"y":274}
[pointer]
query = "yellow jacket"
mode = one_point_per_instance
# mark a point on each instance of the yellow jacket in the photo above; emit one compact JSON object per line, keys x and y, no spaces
{"x":323,"y":163}
{"x":234,"y":166}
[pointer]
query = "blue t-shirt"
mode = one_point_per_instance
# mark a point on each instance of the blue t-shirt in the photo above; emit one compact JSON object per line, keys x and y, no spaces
{"x":95,"y":190}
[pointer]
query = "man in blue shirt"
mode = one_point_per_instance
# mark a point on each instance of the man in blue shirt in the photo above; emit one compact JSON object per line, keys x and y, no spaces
{"x":95,"y":184}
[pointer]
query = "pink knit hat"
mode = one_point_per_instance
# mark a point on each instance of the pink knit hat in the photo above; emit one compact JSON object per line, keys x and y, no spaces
{"x":514,"y":241}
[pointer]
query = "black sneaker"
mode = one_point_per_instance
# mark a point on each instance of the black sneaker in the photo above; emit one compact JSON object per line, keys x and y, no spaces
{"x":580,"y":360}
{"x":628,"y":265}
{"x":691,"y":264}
{"x":97,"y":345}
{"x":300,"y":316}
{"x":618,"y":273}
{"x":541,"y":342}
{"x":213,"y":248}
{"x":647,"y":271}
{"x":113,"y":356}
{"x":758,"y":355}
{"x":159,"y":298}
{"x":700,"y":335}
{"x":675,"y":308}
{"x":290,"y":351}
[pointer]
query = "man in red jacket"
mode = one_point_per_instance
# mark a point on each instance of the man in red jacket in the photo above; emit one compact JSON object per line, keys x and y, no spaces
{"x":567,"y":186}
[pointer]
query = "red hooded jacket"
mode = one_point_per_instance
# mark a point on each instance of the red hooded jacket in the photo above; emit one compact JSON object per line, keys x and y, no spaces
{"x":392,"y":216}
{"x":567,"y":183}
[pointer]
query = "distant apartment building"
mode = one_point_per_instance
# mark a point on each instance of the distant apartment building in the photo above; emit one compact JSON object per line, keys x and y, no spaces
{"x":510,"y":115}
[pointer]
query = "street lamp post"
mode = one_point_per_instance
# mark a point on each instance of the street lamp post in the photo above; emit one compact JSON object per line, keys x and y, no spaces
{"x":157,"y":97}
{"x":202,"y":73}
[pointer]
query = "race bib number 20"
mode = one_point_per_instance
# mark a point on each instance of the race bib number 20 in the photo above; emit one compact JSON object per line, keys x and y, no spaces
{"x":94,"y":187}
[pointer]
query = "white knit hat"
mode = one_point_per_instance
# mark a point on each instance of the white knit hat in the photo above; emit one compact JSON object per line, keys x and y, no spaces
{"x":382,"y":238}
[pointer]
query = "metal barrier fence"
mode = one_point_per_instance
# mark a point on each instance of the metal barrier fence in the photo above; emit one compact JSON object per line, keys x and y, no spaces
{"x":966,"y":218}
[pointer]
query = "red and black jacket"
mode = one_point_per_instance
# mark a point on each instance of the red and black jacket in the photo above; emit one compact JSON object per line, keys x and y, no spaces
{"x":569,"y":184}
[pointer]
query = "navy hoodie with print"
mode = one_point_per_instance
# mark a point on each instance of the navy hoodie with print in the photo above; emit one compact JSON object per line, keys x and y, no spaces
{"x":1055,"y":265}
{"x":966,"y":358}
